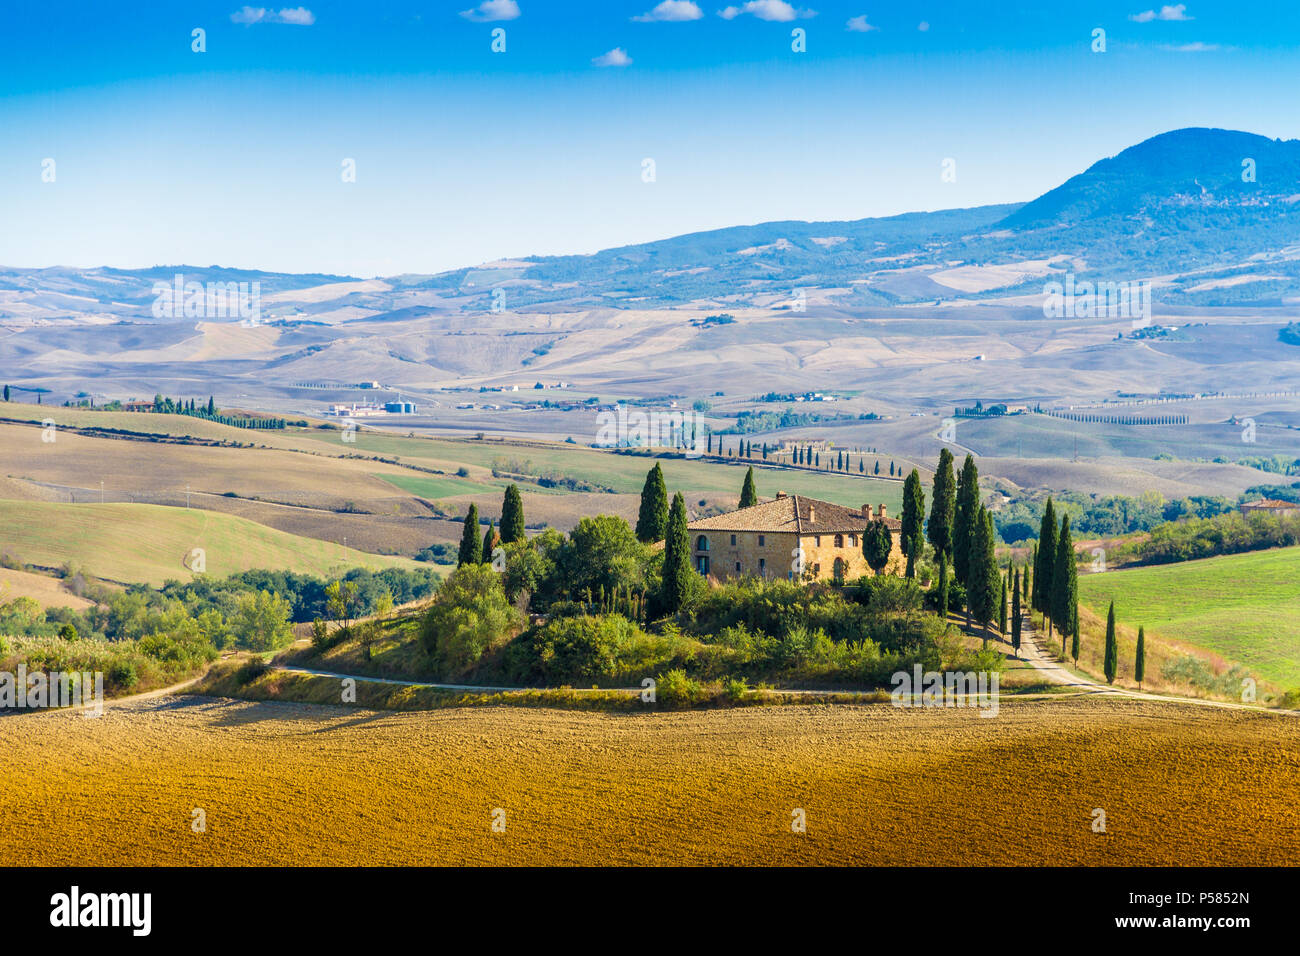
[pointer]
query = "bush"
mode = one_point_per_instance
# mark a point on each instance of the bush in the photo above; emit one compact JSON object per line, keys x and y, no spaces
{"x":123,"y":674}
{"x":675,"y":689}
{"x":469,"y":615}
{"x":254,"y":668}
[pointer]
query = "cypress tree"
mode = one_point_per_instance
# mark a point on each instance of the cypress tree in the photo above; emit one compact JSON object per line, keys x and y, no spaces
{"x":943,"y":585}
{"x":6,"y":393}
{"x":913,"y":512}
{"x":471,"y":546}
{"x":877,"y":543}
{"x":943,"y":504}
{"x":1074,"y":632}
{"x":1015,"y":613}
{"x":1044,"y":560}
{"x":982,"y":588}
{"x":965,"y":531}
{"x":1140,"y":665}
{"x":1064,"y":594}
{"x":652,"y":521}
{"x":1002,"y":609}
{"x":512,"y":516}
{"x":677,"y":557}
{"x":1112,"y":647}
{"x":913,"y":556}
{"x":490,"y":541}
{"x":877,"y":466}
{"x":1024,"y":581}
{"x":748,"y":496}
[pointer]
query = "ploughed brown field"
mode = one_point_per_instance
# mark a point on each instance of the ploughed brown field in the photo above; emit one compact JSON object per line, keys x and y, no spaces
{"x":285,"y":783}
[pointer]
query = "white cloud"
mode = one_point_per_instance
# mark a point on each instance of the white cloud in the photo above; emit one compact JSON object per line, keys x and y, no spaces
{"x":1175,"y":12}
{"x":294,"y":16}
{"x":490,"y":11}
{"x":615,"y":57}
{"x":923,"y":26}
{"x":777,"y":11}
{"x":859,"y":25}
{"x":671,"y":11}
{"x":1196,"y":47}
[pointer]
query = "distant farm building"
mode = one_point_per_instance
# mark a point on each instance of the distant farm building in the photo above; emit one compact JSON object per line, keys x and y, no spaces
{"x":1271,"y":506}
{"x":762,"y":540}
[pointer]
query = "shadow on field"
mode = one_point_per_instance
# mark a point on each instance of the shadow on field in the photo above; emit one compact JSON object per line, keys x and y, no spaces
{"x":224,"y":712}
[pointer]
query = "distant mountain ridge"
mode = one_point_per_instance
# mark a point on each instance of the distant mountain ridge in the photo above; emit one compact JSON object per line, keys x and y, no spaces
{"x":1219,"y":210}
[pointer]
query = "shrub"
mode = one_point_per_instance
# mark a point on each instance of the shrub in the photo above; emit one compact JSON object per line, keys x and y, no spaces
{"x":675,"y":689}
{"x":469,"y":615}
{"x":123,"y":674}
{"x":254,"y":668}
{"x":736,"y":689}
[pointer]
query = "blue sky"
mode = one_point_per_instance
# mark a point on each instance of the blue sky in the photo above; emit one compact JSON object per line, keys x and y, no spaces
{"x":234,"y":156}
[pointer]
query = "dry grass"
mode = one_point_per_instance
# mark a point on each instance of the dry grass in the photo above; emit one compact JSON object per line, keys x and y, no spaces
{"x":296,"y":783}
{"x":41,"y":588}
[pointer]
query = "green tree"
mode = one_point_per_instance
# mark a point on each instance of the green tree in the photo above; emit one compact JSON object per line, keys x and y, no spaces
{"x":261,"y":621}
{"x":652,"y":520}
{"x":1044,"y":562}
{"x":943,"y":505}
{"x":1065,"y":586}
{"x":602,"y":553}
{"x":1111,"y":661}
{"x":490,"y":541}
{"x":1015,"y":614}
{"x":943,"y":585}
{"x":1074,"y":634}
{"x":6,"y":393}
{"x":471,"y":546}
{"x":469,"y":615}
{"x":341,"y":602}
{"x":877,"y":543}
{"x":913,"y":556}
{"x":984,"y":575}
{"x":1140,"y":665}
{"x":512,"y":516}
{"x":748,"y":496}
{"x":913,"y":512}
{"x":965,"y":530}
{"x":677,"y":558}
{"x":1002,"y":609}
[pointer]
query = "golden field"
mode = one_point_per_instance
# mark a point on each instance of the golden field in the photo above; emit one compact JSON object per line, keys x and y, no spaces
{"x":293,"y":783}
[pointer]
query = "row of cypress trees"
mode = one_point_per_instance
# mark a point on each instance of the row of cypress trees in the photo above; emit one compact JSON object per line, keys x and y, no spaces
{"x":474,"y":550}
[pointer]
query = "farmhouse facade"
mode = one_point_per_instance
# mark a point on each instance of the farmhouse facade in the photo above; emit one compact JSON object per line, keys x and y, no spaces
{"x":763,"y":540}
{"x":1271,"y":506}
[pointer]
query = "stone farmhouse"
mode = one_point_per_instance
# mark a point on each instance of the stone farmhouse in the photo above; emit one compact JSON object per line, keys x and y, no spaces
{"x":1271,"y":506}
{"x":761,"y":541}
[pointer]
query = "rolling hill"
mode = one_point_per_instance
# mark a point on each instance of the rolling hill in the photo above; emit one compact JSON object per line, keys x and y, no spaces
{"x":138,"y":543}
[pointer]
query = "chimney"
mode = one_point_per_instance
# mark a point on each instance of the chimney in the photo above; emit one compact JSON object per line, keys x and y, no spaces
{"x":812,"y":515}
{"x":866,"y":511}
{"x":882,"y":512}
{"x":780,"y":494}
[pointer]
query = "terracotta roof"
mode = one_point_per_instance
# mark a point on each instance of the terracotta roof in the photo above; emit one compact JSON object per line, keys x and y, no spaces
{"x":1270,"y":503}
{"x":792,"y":513}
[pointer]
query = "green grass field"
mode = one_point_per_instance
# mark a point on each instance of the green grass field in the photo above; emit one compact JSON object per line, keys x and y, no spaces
{"x":1245,"y":607}
{"x":432,"y":486}
{"x":150,"y":543}
{"x":625,"y":474}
